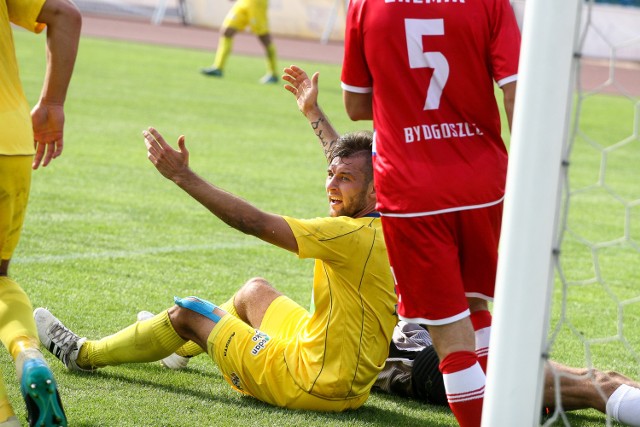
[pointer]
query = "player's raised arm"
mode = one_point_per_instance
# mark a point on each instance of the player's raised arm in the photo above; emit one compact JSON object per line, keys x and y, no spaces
{"x":306,"y":92}
{"x":234,"y":211}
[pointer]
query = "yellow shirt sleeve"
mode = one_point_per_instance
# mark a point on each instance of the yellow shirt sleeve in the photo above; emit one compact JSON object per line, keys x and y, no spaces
{"x":25,"y":14}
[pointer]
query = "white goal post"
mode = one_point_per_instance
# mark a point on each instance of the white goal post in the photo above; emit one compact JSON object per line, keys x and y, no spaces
{"x":533,"y":193}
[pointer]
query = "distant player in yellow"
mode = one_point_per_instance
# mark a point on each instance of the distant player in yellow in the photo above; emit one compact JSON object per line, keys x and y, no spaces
{"x":28,"y":140}
{"x":265,"y":344}
{"x":243,"y":14}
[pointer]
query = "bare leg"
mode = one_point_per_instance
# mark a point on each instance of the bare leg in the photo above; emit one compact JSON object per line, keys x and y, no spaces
{"x":192,"y":326}
{"x":457,"y":336}
{"x":481,"y":322}
{"x":265,"y":39}
{"x":225,"y":45}
{"x":4,"y":267}
{"x":582,"y":388}
{"x":251,"y":303}
{"x":270,"y":53}
{"x":253,"y":299}
{"x":477,"y":304}
{"x":229,"y":32}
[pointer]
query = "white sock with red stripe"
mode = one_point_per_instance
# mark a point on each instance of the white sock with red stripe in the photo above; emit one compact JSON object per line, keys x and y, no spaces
{"x":481,"y":321}
{"x":464,"y":382}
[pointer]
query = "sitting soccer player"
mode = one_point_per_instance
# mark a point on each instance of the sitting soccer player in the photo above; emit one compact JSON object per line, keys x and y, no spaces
{"x":412,"y":370}
{"x":265,"y":344}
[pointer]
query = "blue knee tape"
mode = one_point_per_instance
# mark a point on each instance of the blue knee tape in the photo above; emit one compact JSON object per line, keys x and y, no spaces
{"x":198,"y":305}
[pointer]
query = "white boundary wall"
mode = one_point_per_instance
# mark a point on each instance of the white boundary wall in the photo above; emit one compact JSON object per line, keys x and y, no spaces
{"x":314,"y":19}
{"x":324,"y":20}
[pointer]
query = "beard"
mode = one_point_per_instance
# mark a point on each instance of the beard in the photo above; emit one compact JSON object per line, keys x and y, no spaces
{"x":356,"y":205}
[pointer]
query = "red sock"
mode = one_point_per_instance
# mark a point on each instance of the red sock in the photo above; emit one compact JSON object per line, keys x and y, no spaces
{"x":464,"y":383}
{"x":481,"y":321}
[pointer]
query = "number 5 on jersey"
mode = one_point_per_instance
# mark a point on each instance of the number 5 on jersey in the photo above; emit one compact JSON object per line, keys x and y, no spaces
{"x":418,"y":58}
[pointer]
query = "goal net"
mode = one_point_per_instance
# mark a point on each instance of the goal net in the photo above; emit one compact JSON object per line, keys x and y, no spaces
{"x":569,"y":275}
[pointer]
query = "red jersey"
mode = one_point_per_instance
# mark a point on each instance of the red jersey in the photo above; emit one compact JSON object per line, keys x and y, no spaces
{"x":431,"y":65}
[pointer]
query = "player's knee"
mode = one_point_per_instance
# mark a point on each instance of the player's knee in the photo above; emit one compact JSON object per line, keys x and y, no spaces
{"x":253,"y":293}
{"x":181,"y":319}
{"x":265,"y":39}
{"x":188,"y":319}
{"x":253,"y":288}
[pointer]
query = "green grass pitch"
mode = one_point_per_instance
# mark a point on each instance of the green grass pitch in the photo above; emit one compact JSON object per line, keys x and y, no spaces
{"x":107,"y":236}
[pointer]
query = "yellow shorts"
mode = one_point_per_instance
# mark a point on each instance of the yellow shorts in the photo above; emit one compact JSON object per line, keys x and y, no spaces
{"x":15,"y":183}
{"x":252,"y":361}
{"x":248,"y":13}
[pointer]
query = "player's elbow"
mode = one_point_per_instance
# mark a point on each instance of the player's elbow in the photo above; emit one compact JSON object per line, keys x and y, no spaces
{"x":63,"y":12}
{"x":356,"y":115}
{"x":360,"y":113}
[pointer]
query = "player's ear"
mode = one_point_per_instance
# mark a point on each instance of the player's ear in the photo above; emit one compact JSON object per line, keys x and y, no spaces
{"x":371,"y":190}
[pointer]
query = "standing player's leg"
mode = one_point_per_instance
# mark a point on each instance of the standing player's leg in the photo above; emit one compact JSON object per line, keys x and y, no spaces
{"x":425,"y":256}
{"x":464,"y":379}
{"x":481,"y":321}
{"x":480,"y":229}
{"x":225,"y":45}
{"x":236,"y":20}
{"x":17,"y":328}
{"x":270,"y":52}
{"x":259,"y":22}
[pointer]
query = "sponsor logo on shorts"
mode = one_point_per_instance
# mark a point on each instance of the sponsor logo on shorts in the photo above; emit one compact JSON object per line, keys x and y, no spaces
{"x":261,"y":339}
{"x":235,"y":380}
{"x":226,"y":345}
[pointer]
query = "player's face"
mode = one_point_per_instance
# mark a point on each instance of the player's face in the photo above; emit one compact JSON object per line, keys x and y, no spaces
{"x":349,"y":192}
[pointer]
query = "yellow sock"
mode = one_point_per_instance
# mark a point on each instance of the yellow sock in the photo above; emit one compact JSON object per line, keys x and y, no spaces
{"x":190,"y":349}
{"x":17,"y":327}
{"x":230,"y":307}
{"x":145,"y":341}
{"x":21,"y":344}
{"x":225,"y":44}
{"x":6,"y":410}
{"x":271,"y":59}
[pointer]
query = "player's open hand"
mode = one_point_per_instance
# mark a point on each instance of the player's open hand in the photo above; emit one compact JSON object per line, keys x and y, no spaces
{"x":169,"y":162}
{"x":304,"y":89}
{"x":47,"y":121}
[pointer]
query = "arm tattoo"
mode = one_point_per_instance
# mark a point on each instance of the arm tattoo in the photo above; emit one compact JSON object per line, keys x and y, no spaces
{"x":315,"y":125}
{"x":326,"y":145}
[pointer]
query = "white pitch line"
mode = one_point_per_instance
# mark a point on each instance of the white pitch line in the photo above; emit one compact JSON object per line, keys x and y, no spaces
{"x":43,"y":259}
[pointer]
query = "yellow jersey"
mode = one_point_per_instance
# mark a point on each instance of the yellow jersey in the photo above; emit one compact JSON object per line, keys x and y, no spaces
{"x":16,"y":131}
{"x":343,"y":347}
